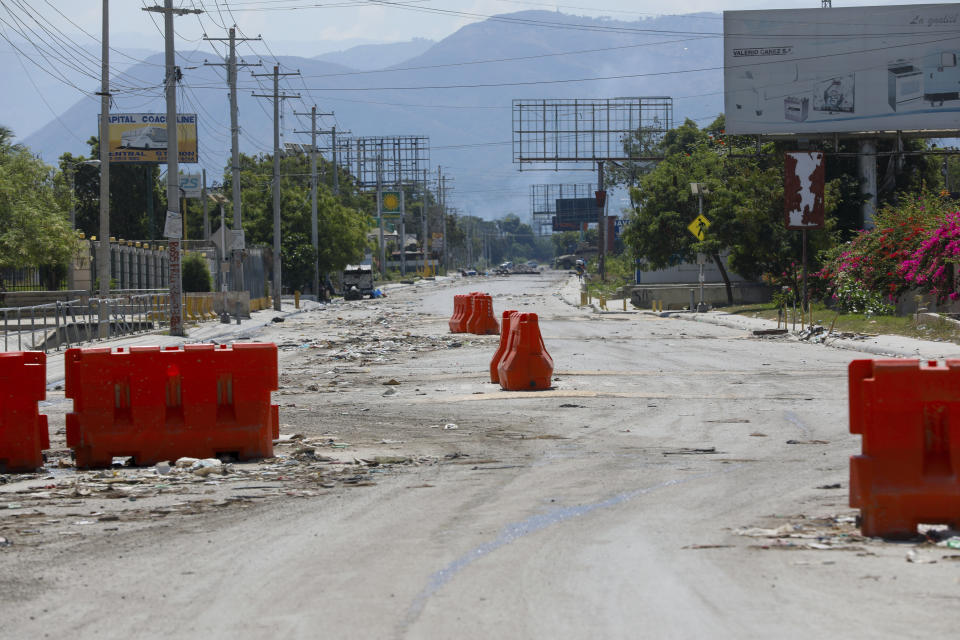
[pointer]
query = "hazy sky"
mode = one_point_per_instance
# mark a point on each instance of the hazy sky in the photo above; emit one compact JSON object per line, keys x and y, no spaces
{"x":310,"y":27}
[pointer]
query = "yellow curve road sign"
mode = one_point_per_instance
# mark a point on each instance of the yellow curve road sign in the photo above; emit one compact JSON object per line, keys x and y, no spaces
{"x":699,"y":227}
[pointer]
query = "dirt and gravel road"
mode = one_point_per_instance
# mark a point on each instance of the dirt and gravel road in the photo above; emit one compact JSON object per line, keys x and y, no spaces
{"x":681,"y":480}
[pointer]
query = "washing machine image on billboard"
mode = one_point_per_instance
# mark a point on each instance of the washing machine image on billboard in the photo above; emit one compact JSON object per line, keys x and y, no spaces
{"x":941,"y":78}
{"x":834,"y":95}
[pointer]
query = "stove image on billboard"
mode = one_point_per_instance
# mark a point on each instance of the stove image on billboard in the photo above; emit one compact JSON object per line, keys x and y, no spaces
{"x":904,"y":83}
{"x":834,"y":95}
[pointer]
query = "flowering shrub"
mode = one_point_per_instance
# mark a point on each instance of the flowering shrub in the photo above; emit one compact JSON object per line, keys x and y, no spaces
{"x":931,"y":265}
{"x":909,"y":247}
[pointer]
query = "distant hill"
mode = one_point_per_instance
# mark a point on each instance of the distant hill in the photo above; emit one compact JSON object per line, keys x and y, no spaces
{"x":469,"y":127}
{"x":377,"y":56}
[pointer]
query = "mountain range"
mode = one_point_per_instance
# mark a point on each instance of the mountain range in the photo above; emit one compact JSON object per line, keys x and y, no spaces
{"x":457,"y":91}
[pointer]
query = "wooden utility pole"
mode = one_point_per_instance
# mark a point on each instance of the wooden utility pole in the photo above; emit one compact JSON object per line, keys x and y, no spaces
{"x":236,"y":268}
{"x":314,"y":235}
{"x":173,"y":229}
{"x":277,"y":289}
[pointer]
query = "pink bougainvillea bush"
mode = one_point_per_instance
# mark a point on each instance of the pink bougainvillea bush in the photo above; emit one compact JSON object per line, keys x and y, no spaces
{"x":930,"y":266}
{"x":911,"y":246}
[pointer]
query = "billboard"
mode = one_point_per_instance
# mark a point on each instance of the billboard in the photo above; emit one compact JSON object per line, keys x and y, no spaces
{"x":576,"y":210}
{"x":142,"y":137}
{"x":805,"y":71}
{"x":803,"y":181}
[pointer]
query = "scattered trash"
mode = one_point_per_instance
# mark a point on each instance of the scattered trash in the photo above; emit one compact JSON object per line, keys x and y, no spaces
{"x":391,"y":381}
{"x":207,"y":466}
{"x":278,"y":319}
{"x":808,"y":442}
{"x":916,"y":558}
{"x":186,"y":463}
{"x":684,"y":451}
{"x":572,"y":406}
{"x":162,"y":468}
{"x":829,"y":486}
{"x":450,"y":426}
{"x":390,"y":392}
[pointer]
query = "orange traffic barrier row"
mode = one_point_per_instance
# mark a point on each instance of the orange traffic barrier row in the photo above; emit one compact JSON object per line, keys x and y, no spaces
{"x":907,"y":472}
{"x":23,"y":430}
{"x":525,"y":364}
{"x":473,"y":313}
{"x":156,"y":404}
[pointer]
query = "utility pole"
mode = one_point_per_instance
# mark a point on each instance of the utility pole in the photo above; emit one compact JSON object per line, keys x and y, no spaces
{"x":314,"y":235}
{"x":443,"y":217}
{"x":236,"y":275}
{"x":173,"y":229}
{"x":277,"y":289}
{"x":203,"y":196}
{"x":103,"y":249}
{"x":333,"y":156}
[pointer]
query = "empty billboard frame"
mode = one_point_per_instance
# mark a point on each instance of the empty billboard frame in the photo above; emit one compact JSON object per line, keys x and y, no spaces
{"x":575,"y":131}
{"x":401,"y":159}
{"x":842,"y":70}
{"x":543,"y":205}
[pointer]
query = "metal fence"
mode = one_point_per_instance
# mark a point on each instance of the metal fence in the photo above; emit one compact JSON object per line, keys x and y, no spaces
{"x":33,"y":279}
{"x":51,"y":326}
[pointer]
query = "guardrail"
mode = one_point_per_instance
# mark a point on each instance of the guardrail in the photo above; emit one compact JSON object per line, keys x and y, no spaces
{"x":62,"y":324}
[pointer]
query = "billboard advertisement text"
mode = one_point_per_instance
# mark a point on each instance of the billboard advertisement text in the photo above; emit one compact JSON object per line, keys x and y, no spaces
{"x":805,"y":71}
{"x":142,"y":137}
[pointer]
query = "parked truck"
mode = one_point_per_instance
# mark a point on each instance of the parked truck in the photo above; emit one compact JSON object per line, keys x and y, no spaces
{"x":357,"y":281}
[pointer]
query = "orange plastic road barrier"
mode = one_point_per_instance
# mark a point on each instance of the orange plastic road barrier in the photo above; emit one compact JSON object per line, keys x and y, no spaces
{"x":23,"y":431}
{"x":482,"y":321}
{"x":460,"y":314}
{"x":156,"y":404}
{"x":907,"y":473}
{"x":526,"y":365}
{"x":504,"y":340}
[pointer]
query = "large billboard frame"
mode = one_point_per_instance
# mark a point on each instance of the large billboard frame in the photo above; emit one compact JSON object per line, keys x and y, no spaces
{"x":141,"y":138}
{"x":842,"y":71}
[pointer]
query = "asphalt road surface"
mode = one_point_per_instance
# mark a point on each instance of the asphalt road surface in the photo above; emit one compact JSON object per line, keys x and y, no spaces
{"x":680,"y":480}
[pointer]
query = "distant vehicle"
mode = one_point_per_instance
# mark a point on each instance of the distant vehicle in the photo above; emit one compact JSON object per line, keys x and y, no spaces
{"x":532,"y":263}
{"x":468,"y":272}
{"x":507,"y":265}
{"x":357,"y":281}
{"x":144,"y":138}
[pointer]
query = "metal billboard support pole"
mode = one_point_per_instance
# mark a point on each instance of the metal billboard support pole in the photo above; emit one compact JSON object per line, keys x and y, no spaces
{"x":601,"y":226}
{"x":383,"y":246}
{"x":403,"y":233}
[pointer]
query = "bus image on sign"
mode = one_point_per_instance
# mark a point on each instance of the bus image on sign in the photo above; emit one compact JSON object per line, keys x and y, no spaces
{"x":144,"y":138}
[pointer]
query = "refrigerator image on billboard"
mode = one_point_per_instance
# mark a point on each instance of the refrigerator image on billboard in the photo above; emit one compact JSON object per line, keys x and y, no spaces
{"x":802,"y":71}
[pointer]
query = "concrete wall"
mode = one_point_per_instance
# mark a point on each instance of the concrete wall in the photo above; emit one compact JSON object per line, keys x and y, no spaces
{"x":677,"y":296}
{"x":687,"y":273}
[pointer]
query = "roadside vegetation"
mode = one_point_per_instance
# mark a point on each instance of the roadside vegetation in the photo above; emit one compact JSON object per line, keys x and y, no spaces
{"x":911,"y":326}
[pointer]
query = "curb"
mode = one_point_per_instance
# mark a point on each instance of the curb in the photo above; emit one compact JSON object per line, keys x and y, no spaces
{"x":925,"y":350}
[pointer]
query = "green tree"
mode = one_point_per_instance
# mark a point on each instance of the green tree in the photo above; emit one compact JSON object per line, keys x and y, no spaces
{"x":34,"y":225}
{"x":134,"y":190}
{"x":744,"y":205}
{"x":196,"y":274}
{"x":342,"y":220}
